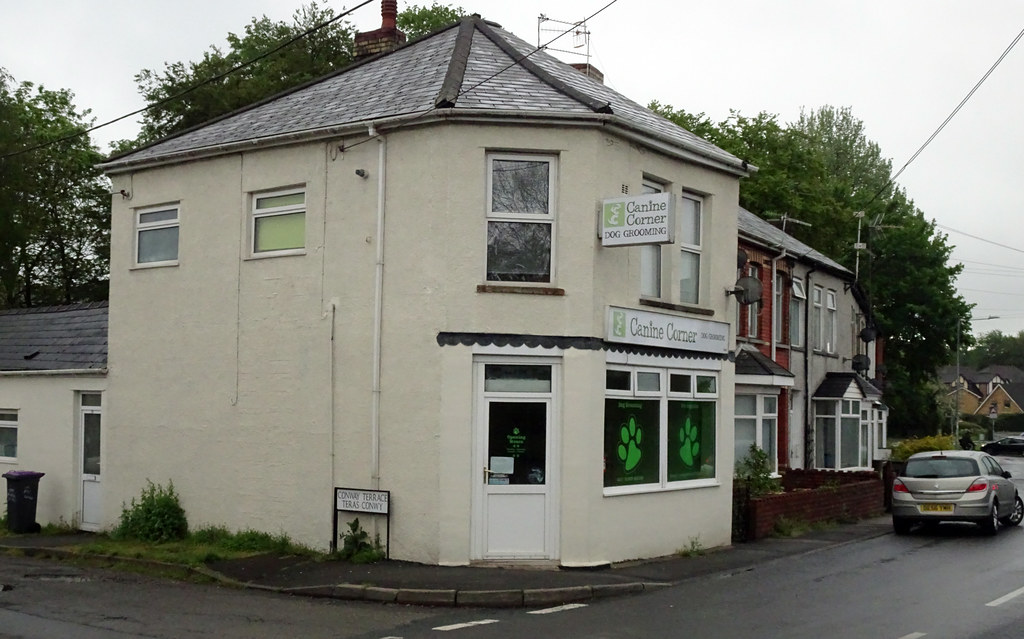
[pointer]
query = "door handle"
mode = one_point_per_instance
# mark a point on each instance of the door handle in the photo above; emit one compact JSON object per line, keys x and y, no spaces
{"x":487,"y":474}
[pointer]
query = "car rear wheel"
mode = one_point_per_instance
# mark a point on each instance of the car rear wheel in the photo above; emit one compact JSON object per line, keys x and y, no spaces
{"x":1015,"y":517}
{"x":990,"y":524}
{"x":901,"y":526}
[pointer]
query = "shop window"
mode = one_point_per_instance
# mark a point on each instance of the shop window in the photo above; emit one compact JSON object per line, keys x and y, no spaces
{"x":8,"y":434}
{"x":156,"y":236}
{"x":656,"y":435}
{"x":278,"y":223}
{"x":520,"y":218}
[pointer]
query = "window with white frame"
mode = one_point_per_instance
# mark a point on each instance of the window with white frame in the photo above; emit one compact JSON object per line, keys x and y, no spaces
{"x":8,"y":434}
{"x":797,"y":304}
{"x":817,"y":318}
{"x":757,"y":418}
{"x":754,"y":310}
{"x":278,"y":224}
{"x":838,"y":433}
{"x":659,"y":428}
{"x":690,"y":248}
{"x":830,"y":321}
{"x":650,"y":256}
{"x":777,"y":309}
{"x":156,"y":236}
{"x":520,"y":217}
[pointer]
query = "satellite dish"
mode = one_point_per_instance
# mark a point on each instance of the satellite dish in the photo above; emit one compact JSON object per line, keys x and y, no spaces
{"x":747,"y":290}
{"x":741,"y":258}
{"x":861,"y":363}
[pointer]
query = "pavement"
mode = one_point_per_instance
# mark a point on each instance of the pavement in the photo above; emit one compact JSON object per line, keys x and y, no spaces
{"x":420,"y":584}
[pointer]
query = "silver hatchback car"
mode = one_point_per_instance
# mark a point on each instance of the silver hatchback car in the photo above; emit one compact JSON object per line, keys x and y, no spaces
{"x":955,"y":485}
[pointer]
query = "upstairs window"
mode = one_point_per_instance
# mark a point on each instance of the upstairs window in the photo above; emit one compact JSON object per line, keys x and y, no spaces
{"x":777,"y":308}
{"x":830,"y":322}
{"x":797,"y":305}
{"x":156,"y":236}
{"x":817,"y":319}
{"x":650,"y":256}
{"x":279,"y":223}
{"x":690,"y":248}
{"x":754,"y":310}
{"x":520,"y":217}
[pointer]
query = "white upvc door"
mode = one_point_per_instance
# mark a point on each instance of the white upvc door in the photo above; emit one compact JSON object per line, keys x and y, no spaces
{"x":515,"y":493}
{"x":90,"y":427}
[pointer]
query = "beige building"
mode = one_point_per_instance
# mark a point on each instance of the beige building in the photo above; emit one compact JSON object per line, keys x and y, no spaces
{"x":397,"y":278}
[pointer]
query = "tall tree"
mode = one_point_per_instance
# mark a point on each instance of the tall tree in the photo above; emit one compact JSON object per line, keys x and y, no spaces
{"x":186,"y":94}
{"x":54,"y":202}
{"x":417,"y":21}
{"x":823,"y":170}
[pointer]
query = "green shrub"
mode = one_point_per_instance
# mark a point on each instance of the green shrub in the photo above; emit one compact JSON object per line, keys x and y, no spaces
{"x":908,"y":447}
{"x":356,"y":545}
{"x":156,"y":517}
{"x":755,"y":471}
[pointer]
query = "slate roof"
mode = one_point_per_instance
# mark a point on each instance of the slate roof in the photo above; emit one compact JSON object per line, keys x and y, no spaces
{"x":54,"y":338}
{"x":762,"y":231}
{"x":835,"y":385}
{"x":751,"y":362}
{"x":473,"y":67}
{"x":1008,"y":373}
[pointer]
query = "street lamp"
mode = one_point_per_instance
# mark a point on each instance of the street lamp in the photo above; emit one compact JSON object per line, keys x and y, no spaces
{"x":956,"y":398}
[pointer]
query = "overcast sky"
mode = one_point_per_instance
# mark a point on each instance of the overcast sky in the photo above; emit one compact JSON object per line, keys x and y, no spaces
{"x":901,"y":65}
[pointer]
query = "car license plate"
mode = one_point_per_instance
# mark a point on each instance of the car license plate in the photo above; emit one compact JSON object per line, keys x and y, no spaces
{"x":936,"y":508}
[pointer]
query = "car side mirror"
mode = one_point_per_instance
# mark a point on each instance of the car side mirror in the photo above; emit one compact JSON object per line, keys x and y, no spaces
{"x":1007,"y":474}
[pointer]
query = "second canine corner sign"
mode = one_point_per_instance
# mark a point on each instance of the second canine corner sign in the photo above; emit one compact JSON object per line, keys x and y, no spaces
{"x":638,"y":219}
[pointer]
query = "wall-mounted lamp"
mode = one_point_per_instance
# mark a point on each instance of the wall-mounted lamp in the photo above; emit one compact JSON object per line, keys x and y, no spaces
{"x":125,"y":194}
{"x":362,"y":173}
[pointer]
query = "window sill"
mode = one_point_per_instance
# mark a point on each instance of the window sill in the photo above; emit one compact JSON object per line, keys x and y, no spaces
{"x":270,"y":254}
{"x":148,"y":265}
{"x":825,"y":354}
{"x":709,"y":482}
{"x":696,"y":310}
{"x":520,"y":290}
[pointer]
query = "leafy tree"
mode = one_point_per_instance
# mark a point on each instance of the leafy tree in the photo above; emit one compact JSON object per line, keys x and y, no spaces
{"x":417,"y":21}
{"x":186,"y":94}
{"x":54,"y":203}
{"x":309,"y":57}
{"x":995,"y":348}
{"x":822,"y":170}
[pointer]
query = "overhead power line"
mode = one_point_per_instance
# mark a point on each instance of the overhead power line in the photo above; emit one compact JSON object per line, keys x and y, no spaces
{"x":192,"y":88}
{"x":950,"y":116}
{"x":981,"y":239}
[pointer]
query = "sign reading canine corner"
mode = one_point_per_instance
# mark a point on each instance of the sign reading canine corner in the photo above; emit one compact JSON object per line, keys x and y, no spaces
{"x":631,"y":326}
{"x":638,"y":219}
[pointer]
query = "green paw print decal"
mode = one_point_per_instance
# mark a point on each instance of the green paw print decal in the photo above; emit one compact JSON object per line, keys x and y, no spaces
{"x":690,"y":448}
{"x":629,"y":448}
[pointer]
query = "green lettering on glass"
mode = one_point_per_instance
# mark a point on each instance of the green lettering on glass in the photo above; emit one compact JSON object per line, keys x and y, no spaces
{"x":630,"y":435}
{"x":280,"y":232}
{"x":516,"y":443}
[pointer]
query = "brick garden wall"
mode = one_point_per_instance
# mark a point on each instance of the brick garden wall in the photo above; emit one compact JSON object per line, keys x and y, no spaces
{"x":816,"y":495}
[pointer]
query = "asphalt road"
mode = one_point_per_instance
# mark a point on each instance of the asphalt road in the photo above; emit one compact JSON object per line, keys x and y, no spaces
{"x":952,"y":582}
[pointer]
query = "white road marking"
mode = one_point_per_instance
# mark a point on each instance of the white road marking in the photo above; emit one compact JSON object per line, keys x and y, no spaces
{"x":547,"y":611}
{"x":1016,"y":593}
{"x":914,"y":635}
{"x":468,"y":624}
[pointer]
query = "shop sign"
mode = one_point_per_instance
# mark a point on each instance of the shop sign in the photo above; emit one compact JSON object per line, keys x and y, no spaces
{"x":638,"y":219}
{"x":631,"y":326}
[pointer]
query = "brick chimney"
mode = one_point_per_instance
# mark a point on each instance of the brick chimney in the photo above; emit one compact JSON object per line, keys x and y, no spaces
{"x":588,"y":70}
{"x":383,"y":40}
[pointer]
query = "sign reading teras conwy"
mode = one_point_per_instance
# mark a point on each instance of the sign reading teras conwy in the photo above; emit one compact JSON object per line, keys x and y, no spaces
{"x":362,"y":501}
{"x":631,"y":326}
{"x":638,"y":219}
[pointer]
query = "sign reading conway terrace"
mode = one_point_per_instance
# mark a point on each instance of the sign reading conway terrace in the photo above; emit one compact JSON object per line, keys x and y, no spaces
{"x":631,"y":326}
{"x":638,"y":219}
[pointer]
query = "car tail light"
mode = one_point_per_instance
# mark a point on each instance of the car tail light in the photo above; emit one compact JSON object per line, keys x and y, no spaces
{"x":899,"y":487}
{"x":978,"y":486}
